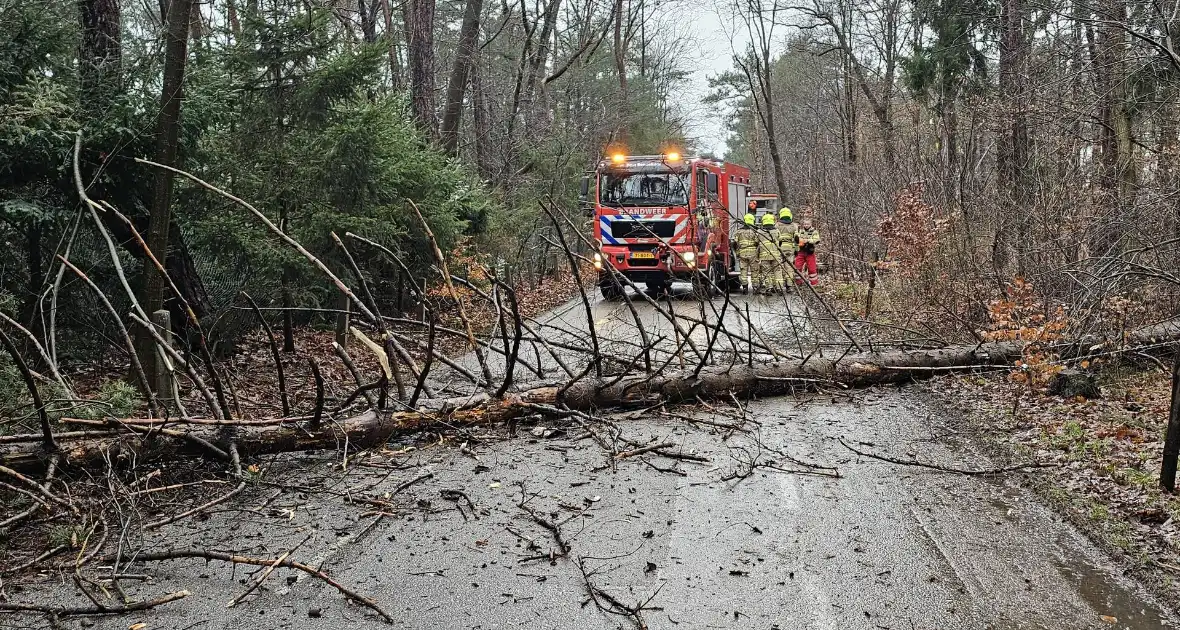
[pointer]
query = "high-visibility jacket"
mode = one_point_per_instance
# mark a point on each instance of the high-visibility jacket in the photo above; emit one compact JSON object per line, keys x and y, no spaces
{"x":786,"y":237}
{"x":807,"y":239}
{"x":747,"y":242}
{"x":768,"y":247}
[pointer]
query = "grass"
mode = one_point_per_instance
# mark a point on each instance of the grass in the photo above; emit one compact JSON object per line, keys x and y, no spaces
{"x":62,"y":535}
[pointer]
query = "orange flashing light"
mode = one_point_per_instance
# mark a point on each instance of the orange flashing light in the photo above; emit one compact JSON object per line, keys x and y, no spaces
{"x":618,"y":158}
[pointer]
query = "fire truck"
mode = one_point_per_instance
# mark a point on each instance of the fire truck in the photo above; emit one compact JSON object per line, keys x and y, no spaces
{"x":658,"y":219}
{"x":767,"y":202}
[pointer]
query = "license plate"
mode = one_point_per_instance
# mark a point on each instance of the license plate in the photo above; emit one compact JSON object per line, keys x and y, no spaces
{"x":642,"y":255}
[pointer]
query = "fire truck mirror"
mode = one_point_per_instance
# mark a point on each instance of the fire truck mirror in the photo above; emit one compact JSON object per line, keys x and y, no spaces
{"x":711,"y":183}
{"x":584,"y":189}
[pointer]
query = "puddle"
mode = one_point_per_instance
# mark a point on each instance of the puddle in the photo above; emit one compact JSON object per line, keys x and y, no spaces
{"x":1119,"y":606}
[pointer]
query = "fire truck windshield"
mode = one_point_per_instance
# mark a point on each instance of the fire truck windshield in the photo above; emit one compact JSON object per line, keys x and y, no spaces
{"x":644,"y":189}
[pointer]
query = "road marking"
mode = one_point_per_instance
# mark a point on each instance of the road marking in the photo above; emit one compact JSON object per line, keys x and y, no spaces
{"x":790,"y":492}
{"x":821,"y":612}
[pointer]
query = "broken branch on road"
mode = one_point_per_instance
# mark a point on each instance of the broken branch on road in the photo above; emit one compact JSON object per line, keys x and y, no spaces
{"x":949,"y":469}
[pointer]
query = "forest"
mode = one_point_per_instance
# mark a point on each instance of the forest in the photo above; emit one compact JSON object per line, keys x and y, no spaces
{"x":211,"y":209}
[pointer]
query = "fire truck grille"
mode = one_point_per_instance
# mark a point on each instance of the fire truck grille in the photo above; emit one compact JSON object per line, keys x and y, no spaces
{"x":642,"y":229}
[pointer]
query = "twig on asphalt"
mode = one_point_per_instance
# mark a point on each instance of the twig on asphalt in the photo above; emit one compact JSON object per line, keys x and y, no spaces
{"x":950,"y":469}
{"x":265,"y":574}
{"x":205,"y":554}
{"x":613,"y":605}
{"x":200,"y":508}
{"x":553,"y":529}
{"x":98,"y":609}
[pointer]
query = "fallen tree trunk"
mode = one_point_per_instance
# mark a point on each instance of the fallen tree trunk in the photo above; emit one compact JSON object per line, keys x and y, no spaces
{"x":373,"y":429}
{"x":148,"y":440}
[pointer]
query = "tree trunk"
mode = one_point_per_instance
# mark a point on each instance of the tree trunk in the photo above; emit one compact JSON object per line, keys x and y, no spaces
{"x":766,"y":87}
{"x":235,"y":24}
{"x":1013,"y":150}
{"x":101,"y":54}
{"x":420,"y":29}
{"x":638,"y":390}
{"x":36,"y":264}
{"x":1119,"y":170}
{"x":540,"y":55}
{"x":368,"y":17}
{"x":621,"y":69}
{"x":850,"y":148}
{"x":483,"y":128}
{"x":395,"y":68}
{"x":167,"y":133}
{"x":180,"y":265}
{"x":285,"y":280}
{"x":457,"y":85}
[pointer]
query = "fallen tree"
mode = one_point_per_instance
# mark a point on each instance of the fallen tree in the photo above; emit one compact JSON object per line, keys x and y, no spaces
{"x":147,"y":439}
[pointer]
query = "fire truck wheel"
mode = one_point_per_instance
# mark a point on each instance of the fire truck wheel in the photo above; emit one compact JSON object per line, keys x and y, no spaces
{"x":611,"y":289}
{"x":706,"y":285}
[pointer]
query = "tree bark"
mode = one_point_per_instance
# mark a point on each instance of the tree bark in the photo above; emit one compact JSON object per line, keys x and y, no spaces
{"x":480,"y":120}
{"x":1119,"y":169}
{"x":420,"y":30}
{"x":1013,"y":148}
{"x":101,"y":54}
{"x":395,"y":68}
{"x":539,"y":57}
{"x":1172,"y":436}
{"x":621,"y":69}
{"x":457,"y":85}
{"x":36,"y":263}
{"x":368,"y":17}
{"x":761,"y":92}
{"x":167,"y":134}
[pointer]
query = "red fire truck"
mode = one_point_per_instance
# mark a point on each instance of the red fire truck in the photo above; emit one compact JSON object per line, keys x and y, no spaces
{"x":665,"y":218}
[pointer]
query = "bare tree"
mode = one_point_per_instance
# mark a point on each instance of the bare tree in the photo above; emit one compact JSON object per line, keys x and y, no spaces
{"x":756,"y":66}
{"x":457,"y":85}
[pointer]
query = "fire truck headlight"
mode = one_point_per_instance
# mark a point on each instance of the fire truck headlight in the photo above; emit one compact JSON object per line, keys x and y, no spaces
{"x":690,"y":259}
{"x":598,"y":261}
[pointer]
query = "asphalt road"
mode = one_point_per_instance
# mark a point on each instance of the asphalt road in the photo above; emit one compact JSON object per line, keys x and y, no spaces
{"x":698,"y":544}
{"x":771,"y":321}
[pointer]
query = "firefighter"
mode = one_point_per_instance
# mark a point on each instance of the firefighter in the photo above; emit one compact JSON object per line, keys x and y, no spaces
{"x":746,"y":239}
{"x":807,"y":237}
{"x":786,"y":241}
{"x":770,"y":269}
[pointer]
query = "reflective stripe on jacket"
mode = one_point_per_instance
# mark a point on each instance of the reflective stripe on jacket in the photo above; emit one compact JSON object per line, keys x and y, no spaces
{"x":768,"y":245}
{"x":747,"y":242}
{"x":786,"y":237}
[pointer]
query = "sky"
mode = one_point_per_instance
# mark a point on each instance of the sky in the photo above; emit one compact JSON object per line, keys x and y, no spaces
{"x":714,"y":49}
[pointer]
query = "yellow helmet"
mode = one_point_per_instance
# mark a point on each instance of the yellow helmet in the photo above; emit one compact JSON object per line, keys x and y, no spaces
{"x":768,"y":219}
{"x":785,"y":213}
{"x":748,"y":219}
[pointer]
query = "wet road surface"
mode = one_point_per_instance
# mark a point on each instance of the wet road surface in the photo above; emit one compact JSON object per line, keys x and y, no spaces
{"x":714,"y":544}
{"x":882,"y":546}
{"x":780,"y":321}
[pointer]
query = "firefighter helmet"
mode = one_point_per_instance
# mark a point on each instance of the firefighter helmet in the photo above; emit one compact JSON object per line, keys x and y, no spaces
{"x":768,"y":219}
{"x":785,"y":214}
{"x":748,"y":219}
